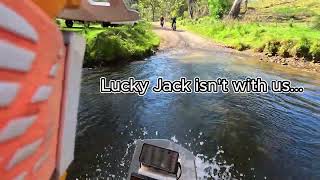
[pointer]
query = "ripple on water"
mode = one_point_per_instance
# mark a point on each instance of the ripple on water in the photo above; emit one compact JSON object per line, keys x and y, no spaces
{"x":263,"y":135}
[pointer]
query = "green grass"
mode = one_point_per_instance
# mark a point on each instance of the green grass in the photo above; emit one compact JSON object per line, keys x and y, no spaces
{"x":125,"y":43}
{"x":283,"y":10}
{"x":312,"y":5}
{"x":293,"y":11}
{"x":273,"y":38}
{"x":116,"y":44}
{"x":286,"y":28}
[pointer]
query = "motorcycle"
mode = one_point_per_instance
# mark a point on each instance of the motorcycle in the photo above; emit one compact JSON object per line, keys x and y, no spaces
{"x":174,"y":26}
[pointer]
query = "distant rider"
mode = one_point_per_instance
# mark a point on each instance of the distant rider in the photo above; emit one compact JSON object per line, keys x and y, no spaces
{"x":174,"y":22}
{"x":162,"y":21}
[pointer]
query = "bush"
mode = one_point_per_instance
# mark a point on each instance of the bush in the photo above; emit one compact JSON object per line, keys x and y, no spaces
{"x":291,"y":22}
{"x":124,"y":43}
{"x":241,"y":46}
{"x":272,"y":47}
{"x":302,"y":49}
{"x":315,"y":51}
{"x":186,"y":15}
{"x":260,"y":48}
{"x":285,"y":47}
{"x":218,"y":8}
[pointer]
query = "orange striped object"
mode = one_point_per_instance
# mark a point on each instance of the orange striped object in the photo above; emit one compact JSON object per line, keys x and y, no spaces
{"x":32,"y":86}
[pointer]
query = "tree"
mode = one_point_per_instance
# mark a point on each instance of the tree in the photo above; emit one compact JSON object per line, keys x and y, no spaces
{"x":149,"y":5}
{"x":235,"y":9}
{"x":201,"y":8}
{"x":245,"y":6}
{"x":154,"y":4}
{"x":152,"y":9}
{"x":191,"y":4}
{"x":218,"y":8}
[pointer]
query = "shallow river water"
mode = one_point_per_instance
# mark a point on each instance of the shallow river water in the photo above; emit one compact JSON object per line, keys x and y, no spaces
{"x":241,"y":136}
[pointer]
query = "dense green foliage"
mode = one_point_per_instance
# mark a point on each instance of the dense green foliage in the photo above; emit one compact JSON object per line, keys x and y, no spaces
{"x":115,"y":44}
{"x":219,"y":7}
{"x":271,"y":38}
{"x":118,"y":44}
{"x":262,"y":10}
{"x":154,"y":9}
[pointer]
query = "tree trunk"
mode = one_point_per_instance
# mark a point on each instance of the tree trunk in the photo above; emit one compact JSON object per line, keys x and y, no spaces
{"x":235,"y":9}
{"x":191,"y":12}
{"x":191,"y":4}
{"x":245,"y":6}
{"x":153,"y":13}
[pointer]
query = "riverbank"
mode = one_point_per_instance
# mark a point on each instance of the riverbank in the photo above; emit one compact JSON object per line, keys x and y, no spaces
{"x":116,"y":45}
{"x":295,"y":45}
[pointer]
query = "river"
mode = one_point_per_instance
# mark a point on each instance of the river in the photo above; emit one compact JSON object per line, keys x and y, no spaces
{"x":242,"y":136}
{"x":233,"y":136}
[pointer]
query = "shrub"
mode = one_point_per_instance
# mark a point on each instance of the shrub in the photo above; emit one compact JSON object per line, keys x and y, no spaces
{"x":258,"y":32}
{"x":218,"y":8}
{"x":285,"y":47}
{"x":291,"y":23}
{"x":108,"y":47}
{"x":186,"y":15}
{"x":315,"y":51}
{"x":272,"y":47}
{"x":122,"y":43}
{"x":241,"y":46}
{"x":260,"y":48}
{"x":302,"y":49}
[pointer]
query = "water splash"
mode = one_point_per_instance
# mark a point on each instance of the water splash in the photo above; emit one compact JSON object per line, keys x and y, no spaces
{"x":211,"y":168}
{"x":174,"y":139}
{"x":207,"y":168}
{"x":145,"y":132}
{"x":124,"y":158}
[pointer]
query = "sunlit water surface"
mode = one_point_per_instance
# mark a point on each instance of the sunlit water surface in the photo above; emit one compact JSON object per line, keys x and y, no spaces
{"x":242,"y":136}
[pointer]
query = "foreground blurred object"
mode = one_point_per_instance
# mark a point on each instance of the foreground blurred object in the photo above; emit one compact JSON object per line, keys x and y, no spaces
{"x":40,"y":77}
{"x":107,"y":13}
{"x":53,"y":8}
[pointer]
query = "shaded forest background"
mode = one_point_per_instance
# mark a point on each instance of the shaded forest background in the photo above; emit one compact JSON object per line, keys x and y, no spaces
{"x":152,"y":10}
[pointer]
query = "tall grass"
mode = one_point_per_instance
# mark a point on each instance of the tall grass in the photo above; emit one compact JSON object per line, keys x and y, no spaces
{"x":275,"y":39}
{"x":116,"y":44}
{"x":317,"y":23}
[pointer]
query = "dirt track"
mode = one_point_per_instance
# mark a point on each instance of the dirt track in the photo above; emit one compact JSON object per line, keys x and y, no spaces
{"x":182,"y":40}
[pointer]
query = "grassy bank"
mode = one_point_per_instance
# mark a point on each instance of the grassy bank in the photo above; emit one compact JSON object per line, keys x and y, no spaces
{"x":284,"y":10}
{"x":283,"y":39}
{"x":117,"y":44}
{"x":275,"y":27}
